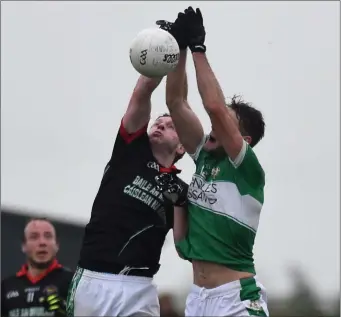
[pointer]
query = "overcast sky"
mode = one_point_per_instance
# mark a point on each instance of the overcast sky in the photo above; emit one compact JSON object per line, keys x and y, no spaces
{"x":66,"y":79}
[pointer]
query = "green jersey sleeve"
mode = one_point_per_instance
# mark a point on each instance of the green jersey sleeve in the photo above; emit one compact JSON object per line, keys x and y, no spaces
{"x":249,"y":167}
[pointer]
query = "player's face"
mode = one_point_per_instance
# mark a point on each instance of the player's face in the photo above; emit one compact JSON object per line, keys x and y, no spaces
{"x":40,"y":244}
{"x":163,"y":132}
{"x":212,"y":143}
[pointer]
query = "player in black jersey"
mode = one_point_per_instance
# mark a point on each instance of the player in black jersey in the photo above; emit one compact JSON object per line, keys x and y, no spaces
{"x":40,"y":287}
{"x":131,"y":215}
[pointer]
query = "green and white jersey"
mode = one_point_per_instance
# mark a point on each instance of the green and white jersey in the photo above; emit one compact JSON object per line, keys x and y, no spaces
{"x":225,"y":201}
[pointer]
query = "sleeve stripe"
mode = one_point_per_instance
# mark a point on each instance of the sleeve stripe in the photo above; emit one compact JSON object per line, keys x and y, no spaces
{"x":131,"y":137}
{"x":240,"y":157}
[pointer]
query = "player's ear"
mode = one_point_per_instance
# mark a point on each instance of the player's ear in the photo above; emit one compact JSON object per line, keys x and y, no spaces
{"x":248,"y":139}
{"x":23,"y":247}
{"x":180,"y":150}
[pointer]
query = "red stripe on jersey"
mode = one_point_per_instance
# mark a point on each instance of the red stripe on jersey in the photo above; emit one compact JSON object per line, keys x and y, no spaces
{"x":132,"y":136}
{"x":171,"y":169}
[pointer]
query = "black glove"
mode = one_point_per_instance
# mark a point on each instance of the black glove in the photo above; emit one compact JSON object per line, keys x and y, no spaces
{"x":195,"y":30}
{"x":172,"y":191}
{"x":177,"y":29}
{"x":53,"y":302}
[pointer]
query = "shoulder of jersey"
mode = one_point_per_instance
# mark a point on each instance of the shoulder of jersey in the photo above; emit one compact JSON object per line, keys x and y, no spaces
{"x":14,"y":276}
{"x":9,"y":278}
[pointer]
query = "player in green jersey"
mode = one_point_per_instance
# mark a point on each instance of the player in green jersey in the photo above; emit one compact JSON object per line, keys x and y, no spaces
{"x":226,"y":192}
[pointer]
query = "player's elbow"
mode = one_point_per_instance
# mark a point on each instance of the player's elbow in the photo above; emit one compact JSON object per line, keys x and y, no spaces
{"x":214,"y":107}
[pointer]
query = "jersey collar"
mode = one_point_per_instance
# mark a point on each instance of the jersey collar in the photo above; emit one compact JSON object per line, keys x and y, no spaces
{"x":34,"y":279}
{"x":171,"y":169}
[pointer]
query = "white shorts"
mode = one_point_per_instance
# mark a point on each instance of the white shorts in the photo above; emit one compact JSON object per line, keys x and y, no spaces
{"x":104,"y":294}
{"x":245,"y":297}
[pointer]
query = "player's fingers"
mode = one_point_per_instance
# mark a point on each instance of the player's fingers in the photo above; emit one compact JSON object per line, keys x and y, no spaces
{"x":54,"y":307}
{"x":189,"y":10}
{"x":53,"y":301}
{"x":160,"y":22}
{"x":198,"y":12}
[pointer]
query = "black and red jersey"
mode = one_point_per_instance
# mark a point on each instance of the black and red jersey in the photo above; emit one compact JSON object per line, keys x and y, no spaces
{"x":20,"y":293}
{"x":129,"y":220}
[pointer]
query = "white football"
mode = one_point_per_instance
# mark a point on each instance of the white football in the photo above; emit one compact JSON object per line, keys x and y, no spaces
{"x":154,"y":52}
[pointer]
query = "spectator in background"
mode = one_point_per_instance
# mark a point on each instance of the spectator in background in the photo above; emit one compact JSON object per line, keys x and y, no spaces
{"x":40,"y":287}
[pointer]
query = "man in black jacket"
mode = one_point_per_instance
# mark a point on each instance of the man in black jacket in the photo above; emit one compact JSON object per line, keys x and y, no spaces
{"x":40,"y":287}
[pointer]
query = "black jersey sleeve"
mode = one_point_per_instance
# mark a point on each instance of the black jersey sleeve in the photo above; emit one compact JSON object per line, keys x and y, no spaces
{"x":125,"y":142}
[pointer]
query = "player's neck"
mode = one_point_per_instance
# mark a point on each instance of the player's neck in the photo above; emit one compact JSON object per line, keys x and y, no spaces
{"x":162,"y":156}
{"x":34,"y":272}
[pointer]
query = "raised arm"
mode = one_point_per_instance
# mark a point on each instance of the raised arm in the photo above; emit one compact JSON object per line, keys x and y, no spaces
{"x":138,"y":112}
{"x":180,"y":225}
{"x":211,"y":94}
{"x":226,"y":131}
{"x":186,"y":122}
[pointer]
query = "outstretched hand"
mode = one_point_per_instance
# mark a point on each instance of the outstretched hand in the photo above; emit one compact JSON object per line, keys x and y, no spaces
{"x":177,"y":29}
{"x":188,"y":30}
{"x":172,"y":191}
{"x":195,"y":30}
{"x":53,"y":303}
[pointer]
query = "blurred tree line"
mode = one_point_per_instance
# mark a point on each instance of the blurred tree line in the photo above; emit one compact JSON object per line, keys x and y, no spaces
{"x":304,"y":301}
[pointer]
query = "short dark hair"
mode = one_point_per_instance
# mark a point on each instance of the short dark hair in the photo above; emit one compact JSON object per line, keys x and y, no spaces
{"x":37,"y":219}
{"x":163,"y":115}
{"x":251,"y":121}
{"x":177,"y":156}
